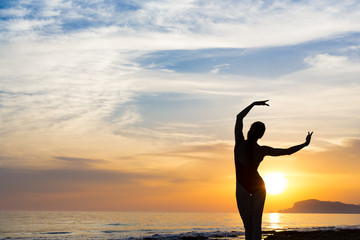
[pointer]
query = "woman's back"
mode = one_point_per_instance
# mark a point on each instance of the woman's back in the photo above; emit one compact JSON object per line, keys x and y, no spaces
{"x":248,"y":156}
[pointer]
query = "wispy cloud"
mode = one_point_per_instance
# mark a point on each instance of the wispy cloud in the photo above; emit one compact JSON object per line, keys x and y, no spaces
{"x":184,"y":171}
{"x":185,"y":25}
{"x":165,"y":174}
{"x":63,"y":180}
{"x":76,"y":162}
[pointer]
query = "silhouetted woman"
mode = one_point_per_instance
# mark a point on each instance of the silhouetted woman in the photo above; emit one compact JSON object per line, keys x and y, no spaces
{"x":250,"y":187}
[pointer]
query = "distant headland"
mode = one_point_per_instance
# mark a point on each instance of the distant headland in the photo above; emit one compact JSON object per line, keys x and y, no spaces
{"x":317,"y":206}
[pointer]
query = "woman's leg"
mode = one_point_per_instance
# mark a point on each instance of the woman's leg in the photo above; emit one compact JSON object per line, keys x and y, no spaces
{"x":257,"y":211}
{"x":244,"y":204}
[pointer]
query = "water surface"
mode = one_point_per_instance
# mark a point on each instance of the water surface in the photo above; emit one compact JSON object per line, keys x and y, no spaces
{"x":138,"y":225}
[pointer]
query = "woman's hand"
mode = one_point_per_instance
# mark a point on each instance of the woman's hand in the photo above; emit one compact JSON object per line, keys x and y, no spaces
{"x":261,"y":103}
{"x":308,"y":138}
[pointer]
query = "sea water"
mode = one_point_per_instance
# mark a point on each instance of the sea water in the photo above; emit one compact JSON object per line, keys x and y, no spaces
{"x":146,"y":225}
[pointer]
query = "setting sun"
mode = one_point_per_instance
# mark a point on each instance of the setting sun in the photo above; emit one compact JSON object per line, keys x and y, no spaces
{"x":275,"y":183}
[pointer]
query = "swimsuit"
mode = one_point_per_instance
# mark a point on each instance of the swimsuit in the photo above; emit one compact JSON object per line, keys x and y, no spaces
{"x":248,"y":176}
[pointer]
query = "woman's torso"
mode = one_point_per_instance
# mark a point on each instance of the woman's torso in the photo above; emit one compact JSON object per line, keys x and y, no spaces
{"x":248,"y":156}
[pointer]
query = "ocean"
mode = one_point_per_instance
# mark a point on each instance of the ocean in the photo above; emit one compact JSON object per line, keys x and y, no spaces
{"x":156,"y":225}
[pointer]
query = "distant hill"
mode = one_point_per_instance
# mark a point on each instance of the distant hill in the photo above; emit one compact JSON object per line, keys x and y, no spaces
{"x":316,"y":206}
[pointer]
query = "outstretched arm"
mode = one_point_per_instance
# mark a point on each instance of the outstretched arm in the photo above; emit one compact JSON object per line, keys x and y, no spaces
{"x":239,"y":136}
{"x":269,"y":151}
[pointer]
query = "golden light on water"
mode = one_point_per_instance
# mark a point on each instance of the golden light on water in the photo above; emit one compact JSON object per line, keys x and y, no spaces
{"x":274,"y":219}
{"x":275,"y":182}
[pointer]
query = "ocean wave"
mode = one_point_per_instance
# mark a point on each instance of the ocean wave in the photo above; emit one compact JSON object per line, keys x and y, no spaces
{"x":115,"y":231}
{"x":199,"y":235}
{"x":55,"y":233}
{"x":315,"y":228}
{"x":191,"y":235}
{"x":116,"y":224}
{"x":334,"y":228}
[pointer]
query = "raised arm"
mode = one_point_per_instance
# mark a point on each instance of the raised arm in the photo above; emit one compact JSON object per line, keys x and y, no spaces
{"x":239,"y":136}
{"x":269,"y":151}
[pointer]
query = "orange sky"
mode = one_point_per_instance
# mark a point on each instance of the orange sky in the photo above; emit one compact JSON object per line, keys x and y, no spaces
{"x":197,"y":177}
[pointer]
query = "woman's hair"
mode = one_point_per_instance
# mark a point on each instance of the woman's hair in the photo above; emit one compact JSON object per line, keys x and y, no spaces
{"x":257,"y":130}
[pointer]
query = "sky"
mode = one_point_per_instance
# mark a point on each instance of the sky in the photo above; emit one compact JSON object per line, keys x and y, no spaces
{"x":130,"y":105}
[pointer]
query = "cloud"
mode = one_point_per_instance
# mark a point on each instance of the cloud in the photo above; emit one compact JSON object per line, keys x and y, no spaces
{"x":161,"y":180}
{"x":12,"y":12}
{"x":339,"y":161}
{"x":326,"y":61}
{"x":217,"y":68}
{"x":180,"y":164}
{"x":330,"y":157}
{"x":154,"y":25}
{"x":62,"y":180}
{"x":48,"y":87}
{"x":76,"y":162}
{"x":196,"y":163}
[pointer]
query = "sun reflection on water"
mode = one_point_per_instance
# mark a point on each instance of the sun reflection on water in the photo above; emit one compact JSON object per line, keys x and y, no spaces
{"x":274,"y":220}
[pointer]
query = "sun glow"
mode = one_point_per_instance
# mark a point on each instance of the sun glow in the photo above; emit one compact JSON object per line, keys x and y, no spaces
{"x":275,"y":183}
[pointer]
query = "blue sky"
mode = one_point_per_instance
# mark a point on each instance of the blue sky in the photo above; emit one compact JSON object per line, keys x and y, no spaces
{"x":97,"y":79}
{"x":264,"y":62}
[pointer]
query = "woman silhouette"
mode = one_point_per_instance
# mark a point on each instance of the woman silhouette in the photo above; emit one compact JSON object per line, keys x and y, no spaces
{"x":250,"y":187}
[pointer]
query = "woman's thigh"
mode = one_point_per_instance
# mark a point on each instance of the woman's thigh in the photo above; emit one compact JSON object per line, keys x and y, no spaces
{"x":244,"y":202}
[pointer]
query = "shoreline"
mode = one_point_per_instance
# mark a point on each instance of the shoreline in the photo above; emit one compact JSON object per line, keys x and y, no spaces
{"x":342,"y":234}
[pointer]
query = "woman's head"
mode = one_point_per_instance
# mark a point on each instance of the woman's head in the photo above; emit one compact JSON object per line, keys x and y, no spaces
{"x":256,"y":131}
